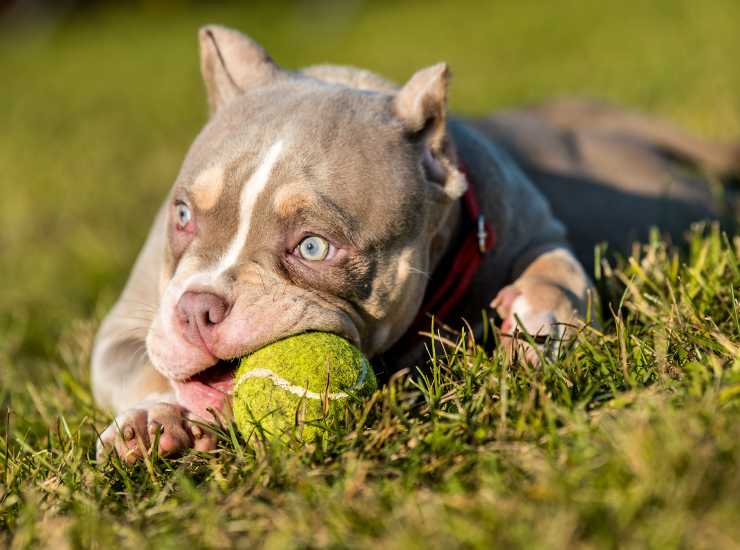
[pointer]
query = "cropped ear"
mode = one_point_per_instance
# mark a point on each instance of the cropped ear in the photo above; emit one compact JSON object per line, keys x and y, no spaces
{"x":231,"y":63}
{"x":421,"y":106}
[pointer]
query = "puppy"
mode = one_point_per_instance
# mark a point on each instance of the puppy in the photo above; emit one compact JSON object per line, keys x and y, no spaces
{"x":330,"y":199}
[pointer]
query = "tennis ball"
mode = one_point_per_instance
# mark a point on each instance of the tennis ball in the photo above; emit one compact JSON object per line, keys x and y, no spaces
{"x":295,"y":386}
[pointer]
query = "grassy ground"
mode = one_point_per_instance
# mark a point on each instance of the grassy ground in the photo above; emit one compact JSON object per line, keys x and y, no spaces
{"x":631,"y":438}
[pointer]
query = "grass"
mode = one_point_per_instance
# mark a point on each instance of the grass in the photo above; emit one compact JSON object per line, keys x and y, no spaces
{"x":630,"y":438}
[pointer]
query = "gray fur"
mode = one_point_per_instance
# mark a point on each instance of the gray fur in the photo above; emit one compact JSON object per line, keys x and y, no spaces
{"x":373,"y":168}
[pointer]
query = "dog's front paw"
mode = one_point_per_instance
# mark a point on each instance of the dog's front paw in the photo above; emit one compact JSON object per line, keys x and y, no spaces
{"x":521,"y":313}
{"x":134,"y":432}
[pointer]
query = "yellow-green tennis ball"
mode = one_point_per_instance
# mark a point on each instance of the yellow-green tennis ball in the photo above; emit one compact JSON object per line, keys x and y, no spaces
{"x":297,"y":386}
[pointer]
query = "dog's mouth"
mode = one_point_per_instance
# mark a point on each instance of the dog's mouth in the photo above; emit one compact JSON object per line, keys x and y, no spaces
{"x":208,"y":391}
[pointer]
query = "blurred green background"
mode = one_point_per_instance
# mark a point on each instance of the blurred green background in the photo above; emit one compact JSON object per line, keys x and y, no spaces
{"x":98,"y":105}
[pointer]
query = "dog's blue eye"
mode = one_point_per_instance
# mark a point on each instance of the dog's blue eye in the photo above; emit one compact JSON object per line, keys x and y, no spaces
{"x":313,"y":248}
{"x":183,"y":214}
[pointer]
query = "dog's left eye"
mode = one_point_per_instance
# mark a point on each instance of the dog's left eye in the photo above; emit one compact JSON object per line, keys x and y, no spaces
{"x":183,"y":215}
{"x":314,"y":248}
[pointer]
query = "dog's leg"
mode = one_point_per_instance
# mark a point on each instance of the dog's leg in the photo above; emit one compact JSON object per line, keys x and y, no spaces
{"x":134,"y":432}
{"x":123,"y":378}
{"x":142,"y":399}
{"x":550,"y":297}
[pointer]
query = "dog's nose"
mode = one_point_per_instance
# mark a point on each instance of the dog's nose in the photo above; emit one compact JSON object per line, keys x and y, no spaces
{"x":199,"y":313}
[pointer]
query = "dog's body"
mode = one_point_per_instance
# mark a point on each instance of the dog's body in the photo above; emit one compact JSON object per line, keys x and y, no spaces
{"x":327,"y":200}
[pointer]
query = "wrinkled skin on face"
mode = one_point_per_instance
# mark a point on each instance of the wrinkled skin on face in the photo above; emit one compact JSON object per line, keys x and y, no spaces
{"x":320,"y":200}
{"x":323,"y":200}
{"x":292,"y":158}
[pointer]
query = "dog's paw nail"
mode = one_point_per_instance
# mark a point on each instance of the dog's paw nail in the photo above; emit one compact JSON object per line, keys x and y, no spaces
{"x":128,"y":433}
{"x":506,"y":327}
{"x":155,"y":428}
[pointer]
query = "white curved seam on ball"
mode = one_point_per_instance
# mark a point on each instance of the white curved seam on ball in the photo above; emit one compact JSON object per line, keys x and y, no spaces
{"x":284,"y":384}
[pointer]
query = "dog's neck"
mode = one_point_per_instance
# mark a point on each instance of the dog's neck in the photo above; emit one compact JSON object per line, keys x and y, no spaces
{"x":450,"y":232}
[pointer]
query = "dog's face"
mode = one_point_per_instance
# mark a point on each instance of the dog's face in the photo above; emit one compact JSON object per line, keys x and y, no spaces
{"x":302,"y":205}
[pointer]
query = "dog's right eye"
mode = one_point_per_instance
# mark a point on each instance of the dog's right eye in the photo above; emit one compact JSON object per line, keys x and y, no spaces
{"x":183,"y":215}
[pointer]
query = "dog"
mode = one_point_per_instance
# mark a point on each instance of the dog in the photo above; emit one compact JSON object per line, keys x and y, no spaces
{"x":331,"y":199}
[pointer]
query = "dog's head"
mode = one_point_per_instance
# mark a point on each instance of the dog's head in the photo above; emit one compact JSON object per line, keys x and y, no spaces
{"x":306,"y":203}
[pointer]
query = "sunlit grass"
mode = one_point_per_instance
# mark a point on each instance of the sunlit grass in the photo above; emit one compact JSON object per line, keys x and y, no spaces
{"x":631,"y":437}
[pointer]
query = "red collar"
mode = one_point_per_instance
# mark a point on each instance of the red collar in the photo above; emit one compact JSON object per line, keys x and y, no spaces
{"x":451,"y":281}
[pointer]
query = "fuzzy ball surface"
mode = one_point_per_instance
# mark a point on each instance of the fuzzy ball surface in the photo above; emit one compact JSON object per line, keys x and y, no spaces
{"x":299,"y":387}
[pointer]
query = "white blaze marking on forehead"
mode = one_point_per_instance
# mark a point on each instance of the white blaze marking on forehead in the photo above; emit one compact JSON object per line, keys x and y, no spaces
{"x":247,"y":199}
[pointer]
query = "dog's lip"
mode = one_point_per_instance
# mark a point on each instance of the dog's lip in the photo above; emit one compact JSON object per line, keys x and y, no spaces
{"x":211,"y":387}
{"x":207,"y":390}
{"x":218,"y":377}
{"x":217,"y":374}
